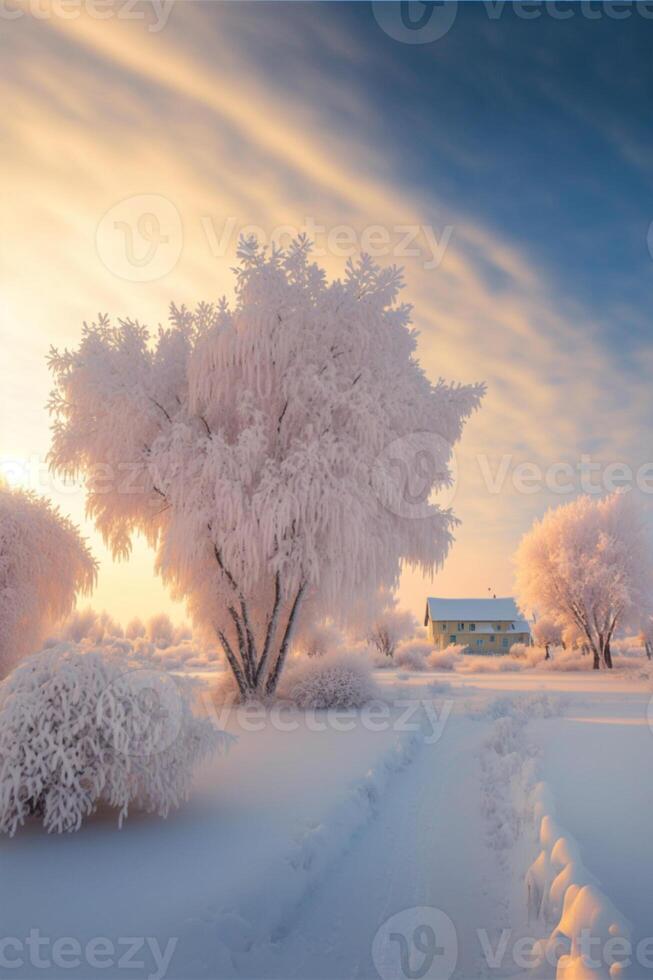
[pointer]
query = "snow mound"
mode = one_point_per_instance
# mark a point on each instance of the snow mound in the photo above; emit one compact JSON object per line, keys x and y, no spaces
{"x":563,"y":894}
{"x":79,"y":729}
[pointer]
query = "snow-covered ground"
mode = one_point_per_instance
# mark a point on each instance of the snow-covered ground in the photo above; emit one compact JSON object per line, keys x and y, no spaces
{"x":300,"y":847}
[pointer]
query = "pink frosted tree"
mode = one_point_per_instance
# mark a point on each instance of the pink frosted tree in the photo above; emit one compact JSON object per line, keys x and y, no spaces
{"x":547,"y":633}
{"x":253,"y":447}
{"x":44,"y":563}
{"x":587,"y":566}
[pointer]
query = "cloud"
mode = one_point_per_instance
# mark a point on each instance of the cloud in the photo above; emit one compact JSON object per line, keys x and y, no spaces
{"x":102,"y":110}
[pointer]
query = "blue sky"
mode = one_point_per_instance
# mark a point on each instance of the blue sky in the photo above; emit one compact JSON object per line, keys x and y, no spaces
{"x":522,"y":146}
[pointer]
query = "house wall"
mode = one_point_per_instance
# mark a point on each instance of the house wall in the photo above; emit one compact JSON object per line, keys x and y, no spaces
{"x":500,"y":640}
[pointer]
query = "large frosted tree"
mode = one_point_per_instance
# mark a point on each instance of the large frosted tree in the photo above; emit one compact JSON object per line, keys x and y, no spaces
{"x":43,"y":565}
{"x":586,"y":566}
{"x":262,"y":448}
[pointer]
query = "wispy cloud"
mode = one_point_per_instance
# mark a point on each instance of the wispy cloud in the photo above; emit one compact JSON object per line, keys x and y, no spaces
{"x":102,"y":110}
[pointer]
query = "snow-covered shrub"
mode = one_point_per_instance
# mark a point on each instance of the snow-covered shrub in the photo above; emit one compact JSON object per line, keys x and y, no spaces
{"x":87,"y":625}
{"x":340,"y":680}
{"x":182,"y":633}
{"x":161,"y":631}
{"x":316,"y":638}
{"x":135,"y":629}
{"x":412,"y":655}
{"x":491,"y":665}
{"x":77,"y":729}
{"x":519,"y":651}
{"x":43,"y":564}
{"x":78,"y":625}
{"x":446,"y":659}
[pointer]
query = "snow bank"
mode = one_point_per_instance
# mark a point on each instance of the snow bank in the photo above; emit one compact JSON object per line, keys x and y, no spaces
{"x":565,"y":896}
{"x":561,"y":893}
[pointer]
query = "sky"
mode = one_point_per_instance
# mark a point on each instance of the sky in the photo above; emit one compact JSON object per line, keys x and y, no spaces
{"x":501,"y":153}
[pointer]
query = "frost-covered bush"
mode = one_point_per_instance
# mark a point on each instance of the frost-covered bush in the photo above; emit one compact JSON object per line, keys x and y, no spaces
{"x":491,"y":665}
{"x":412,"y":654}
{"x":317,"y":638}
{"x":43,"y":564}
{"x":340,"y":680}
{"x":161,"y":631}
{"x":446,"y":659}
{"x":77,"y":729}
{"x":135,"y":629}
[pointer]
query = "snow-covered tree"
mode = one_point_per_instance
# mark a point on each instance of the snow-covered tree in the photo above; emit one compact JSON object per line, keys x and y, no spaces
{"x":587,"y":566}
{"x":44,"y":563}
{"x":135,"y":628}
{"x":393,"y":625}
{"x":646,"y":636}
{"x":547,"y":634}
{"x":160,"y":630}
{"x":256,"y":448}
{"x":77,"y":729}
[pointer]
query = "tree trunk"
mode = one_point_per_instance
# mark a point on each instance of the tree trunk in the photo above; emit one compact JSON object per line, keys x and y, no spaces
{"x":275,"y":673}
{"x":547,"y":647}
{"x":649,"y":649}
{"x":607,"y":655}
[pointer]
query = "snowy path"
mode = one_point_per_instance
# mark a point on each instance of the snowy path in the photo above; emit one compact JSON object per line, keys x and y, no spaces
{"x":426,"y":848}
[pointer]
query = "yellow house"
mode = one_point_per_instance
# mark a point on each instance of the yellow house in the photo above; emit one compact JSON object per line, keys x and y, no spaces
{"x":482,"y":625}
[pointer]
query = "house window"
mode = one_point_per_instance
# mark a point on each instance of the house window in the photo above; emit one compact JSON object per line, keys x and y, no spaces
{"x":472,"y":627}
{"x":444,"y":626}
{"x":479,"y":643}
{"x":505,"y":642}
{"x":492,"y":639}
{"x":452,"y":638}
{"x":498,"y":627}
